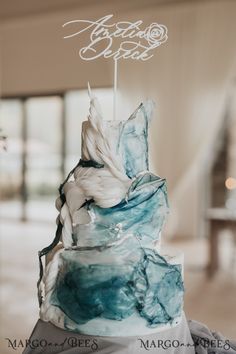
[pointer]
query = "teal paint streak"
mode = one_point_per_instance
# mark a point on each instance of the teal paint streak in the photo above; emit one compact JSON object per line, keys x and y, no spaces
{"x":142,"y":214}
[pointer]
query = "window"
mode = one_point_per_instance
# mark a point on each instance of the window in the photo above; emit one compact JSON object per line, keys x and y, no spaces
{"x":11,"y":161}
{"x":43,"y":145}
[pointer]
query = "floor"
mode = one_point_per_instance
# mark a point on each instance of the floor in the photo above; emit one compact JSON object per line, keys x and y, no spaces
{"x":212,"y":302}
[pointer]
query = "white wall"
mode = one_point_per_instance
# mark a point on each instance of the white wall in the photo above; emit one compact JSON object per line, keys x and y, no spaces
{"x":188,"y":77}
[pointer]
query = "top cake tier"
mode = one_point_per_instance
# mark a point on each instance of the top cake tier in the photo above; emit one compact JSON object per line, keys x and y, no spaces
{"x":128,"y":139}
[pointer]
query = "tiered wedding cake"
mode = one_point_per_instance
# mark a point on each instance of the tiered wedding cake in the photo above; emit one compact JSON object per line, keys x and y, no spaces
{"x":106,"y":275}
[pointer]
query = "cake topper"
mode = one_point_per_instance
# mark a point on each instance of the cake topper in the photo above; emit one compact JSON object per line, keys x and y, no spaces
{"x":117,"y":40}
{"x":136,"y":43}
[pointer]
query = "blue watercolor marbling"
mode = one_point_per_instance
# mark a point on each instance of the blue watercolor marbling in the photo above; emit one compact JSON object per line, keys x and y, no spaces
{"x":116,"y":282}
{"x":158,"y":288}
{"x":133,"y":140}
{"x":142,"y":214}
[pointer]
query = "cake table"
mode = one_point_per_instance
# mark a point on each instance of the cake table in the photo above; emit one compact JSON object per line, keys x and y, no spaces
{"x":47,"y":338}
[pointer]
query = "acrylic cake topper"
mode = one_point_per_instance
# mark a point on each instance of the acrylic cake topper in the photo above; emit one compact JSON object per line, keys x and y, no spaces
{"x":134,"y":42}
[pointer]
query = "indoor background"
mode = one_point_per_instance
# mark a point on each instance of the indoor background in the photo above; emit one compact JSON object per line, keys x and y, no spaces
{"x":43,"y":100}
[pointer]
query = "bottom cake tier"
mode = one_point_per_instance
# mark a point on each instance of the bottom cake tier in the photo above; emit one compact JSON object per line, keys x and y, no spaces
{"x":119,"y":290}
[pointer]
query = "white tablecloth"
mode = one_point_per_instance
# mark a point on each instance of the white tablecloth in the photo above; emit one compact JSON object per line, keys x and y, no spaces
{"x":47,"y":339}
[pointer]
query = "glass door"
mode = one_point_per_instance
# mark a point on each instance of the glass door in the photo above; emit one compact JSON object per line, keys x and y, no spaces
{"x":44,"y":160}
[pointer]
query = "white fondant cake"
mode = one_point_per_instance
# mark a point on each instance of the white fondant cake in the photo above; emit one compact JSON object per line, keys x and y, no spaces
{"x":108,"y":277}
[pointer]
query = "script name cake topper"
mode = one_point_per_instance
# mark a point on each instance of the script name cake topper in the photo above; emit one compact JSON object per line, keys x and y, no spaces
{"x":135,"y":42}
